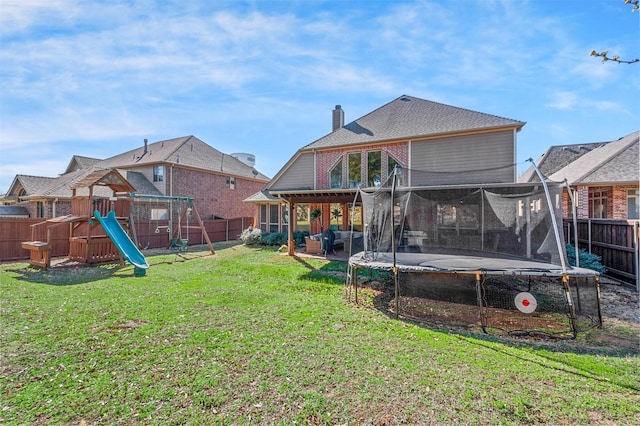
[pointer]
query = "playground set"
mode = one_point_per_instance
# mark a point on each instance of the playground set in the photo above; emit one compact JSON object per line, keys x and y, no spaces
{"x":102,"y":227}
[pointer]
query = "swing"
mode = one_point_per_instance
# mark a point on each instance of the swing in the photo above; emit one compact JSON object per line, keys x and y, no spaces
{"x":181,"y":244}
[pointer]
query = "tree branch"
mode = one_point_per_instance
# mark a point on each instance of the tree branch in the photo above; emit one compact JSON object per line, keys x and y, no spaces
{"x":616,"y":58}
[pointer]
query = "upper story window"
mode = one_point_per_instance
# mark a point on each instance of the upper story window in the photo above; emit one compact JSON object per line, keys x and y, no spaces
{"x":391,"y":164}
{"x":231,"y":182}
{"x":373,"y":172}
{"x":355,"y":169}
{"x":633,"y":204}
{"x":158,"y":173}
{"x":374,"y":168}
{"x":335,"y":175}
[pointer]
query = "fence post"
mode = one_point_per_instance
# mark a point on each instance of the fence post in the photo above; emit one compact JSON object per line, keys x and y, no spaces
{"x":636,"y":260}
{"x":589,"y":234}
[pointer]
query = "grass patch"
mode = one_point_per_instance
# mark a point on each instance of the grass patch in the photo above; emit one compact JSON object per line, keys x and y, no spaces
{"x":250,"y":336}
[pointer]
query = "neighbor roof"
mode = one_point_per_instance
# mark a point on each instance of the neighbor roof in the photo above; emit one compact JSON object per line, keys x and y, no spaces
{"x":614,"y":162}
{"x":407,"y":117}
{"x":79,"y":162}
{"x":557,"y":157}
{"x":188,"y":151}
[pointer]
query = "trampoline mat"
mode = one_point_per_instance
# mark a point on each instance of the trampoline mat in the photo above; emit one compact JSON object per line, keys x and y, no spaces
{"x":469,"y":264}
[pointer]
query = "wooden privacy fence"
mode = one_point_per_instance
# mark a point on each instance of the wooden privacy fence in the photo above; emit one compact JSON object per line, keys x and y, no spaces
{"x":615,"y":241}
{"x":15,"y":231}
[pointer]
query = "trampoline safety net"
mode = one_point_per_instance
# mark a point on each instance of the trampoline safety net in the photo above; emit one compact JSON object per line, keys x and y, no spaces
{"x":492,"y":255}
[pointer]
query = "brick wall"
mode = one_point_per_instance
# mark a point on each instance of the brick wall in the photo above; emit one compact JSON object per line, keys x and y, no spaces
{"x":211,"y":195}
{"x":616,"y":206}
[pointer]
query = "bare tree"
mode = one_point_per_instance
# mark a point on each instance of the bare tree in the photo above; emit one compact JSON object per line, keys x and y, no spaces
{"x":604,"y":54}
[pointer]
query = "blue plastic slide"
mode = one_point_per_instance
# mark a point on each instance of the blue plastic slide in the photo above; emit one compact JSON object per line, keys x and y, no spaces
{"x":121,"y":240}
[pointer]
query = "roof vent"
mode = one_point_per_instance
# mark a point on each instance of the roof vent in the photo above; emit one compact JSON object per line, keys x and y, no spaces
{"x":338,"y":118}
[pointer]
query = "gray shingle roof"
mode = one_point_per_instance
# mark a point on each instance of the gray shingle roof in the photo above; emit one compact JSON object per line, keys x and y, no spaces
{"x":187,"y":151}
{"x":557,"y":157}
{"x":79,"y":162}
{"x":614,"y":162}
{"x":407,"y":117}
{"x":263,"y":195}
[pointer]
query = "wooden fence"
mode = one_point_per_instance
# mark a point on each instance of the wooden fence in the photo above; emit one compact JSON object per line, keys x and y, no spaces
{"x":14,"y":231}
{"x":615,"y":241}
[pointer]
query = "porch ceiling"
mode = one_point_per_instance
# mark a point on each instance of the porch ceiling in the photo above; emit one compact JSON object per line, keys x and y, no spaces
{"x":317,"y":196}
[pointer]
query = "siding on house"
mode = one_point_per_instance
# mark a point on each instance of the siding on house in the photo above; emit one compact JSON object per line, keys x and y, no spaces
{"x":299,"y":175}
{"x":462,"y":155}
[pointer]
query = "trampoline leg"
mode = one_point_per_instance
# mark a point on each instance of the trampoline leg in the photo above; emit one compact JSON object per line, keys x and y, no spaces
{"x":597,"y":279}
{"x":395,"y":274}
{"x":572,"y":311}
{"x":483,"y":314}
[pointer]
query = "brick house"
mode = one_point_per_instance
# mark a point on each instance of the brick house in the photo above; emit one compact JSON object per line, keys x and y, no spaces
{"x":408,"y":132}
{"x":604,"y":177}
{"x":185,"y":167}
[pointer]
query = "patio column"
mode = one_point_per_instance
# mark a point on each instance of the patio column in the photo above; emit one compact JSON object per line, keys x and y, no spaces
{"x":292,"y":222}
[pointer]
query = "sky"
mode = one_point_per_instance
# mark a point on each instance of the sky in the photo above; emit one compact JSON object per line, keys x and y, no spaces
{"x":96,"y":78}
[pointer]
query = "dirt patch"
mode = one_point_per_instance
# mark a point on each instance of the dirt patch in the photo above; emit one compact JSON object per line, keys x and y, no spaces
{"x":619,"y":307}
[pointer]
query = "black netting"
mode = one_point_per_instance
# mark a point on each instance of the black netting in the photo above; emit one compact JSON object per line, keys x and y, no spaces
{"x":442,"y":238}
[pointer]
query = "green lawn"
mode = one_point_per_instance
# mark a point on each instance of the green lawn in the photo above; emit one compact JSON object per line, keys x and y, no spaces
{"x":249,"y":336}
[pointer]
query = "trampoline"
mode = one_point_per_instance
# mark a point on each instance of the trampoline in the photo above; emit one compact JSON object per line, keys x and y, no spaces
{"x":491,"y":255}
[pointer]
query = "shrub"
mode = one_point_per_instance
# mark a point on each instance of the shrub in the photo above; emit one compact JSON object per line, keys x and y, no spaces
{"x":251,"y":236}
{"x":274,"y":239}
{"x":587,"y":260}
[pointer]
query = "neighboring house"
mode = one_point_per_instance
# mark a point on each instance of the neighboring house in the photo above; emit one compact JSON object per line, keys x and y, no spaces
{"x":604,"y":177}
{"x":185,"y":167}
{"x":411,"y":133}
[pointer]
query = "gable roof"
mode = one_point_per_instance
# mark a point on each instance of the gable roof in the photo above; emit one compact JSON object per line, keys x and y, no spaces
{"x":107,"y":178}
{"x":410,"y":118}
{"x":613,"y":162}
{"x":79,"y":162}
{"x":557,"y":157}
{"x":188,"y":151}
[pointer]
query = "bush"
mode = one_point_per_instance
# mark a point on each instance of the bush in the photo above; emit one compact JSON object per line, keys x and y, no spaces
{"x":587,"y":260}
{"x":251,"y":236}
{"x":274,"y":239}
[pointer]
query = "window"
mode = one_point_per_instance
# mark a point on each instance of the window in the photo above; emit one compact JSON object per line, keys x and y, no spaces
{"x":335,"y":221}
{"x":158,"y":214}
{"x":355,"y":213}
{"x":374,"y":169}
{"x":355,"y":169}
{"x":40,"y":209}
{"x":633,"y":204}
{"x":263,"y":217}
{"x":598,"y":202}
{"x":285,"y":219}
{"x":158,"y":173}
{"x":335,"y":175}
{"x":273,"y":218}
{"x":231,"y":182}
{"x":391,"y":164}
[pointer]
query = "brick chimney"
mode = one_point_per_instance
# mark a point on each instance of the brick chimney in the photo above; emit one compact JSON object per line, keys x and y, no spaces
{"x":338,"y":118}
